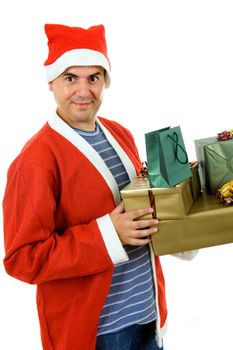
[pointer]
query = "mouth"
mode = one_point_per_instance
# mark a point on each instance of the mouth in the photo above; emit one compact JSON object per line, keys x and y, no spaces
{"x":83,"y":104}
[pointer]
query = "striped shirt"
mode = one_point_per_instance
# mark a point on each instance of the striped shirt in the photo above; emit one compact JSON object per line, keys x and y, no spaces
{"x":131,"y":297}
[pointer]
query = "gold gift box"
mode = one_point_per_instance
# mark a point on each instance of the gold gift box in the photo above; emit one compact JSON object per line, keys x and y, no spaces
{"x":208,"y":223}
{"x":195,"y":182}
{"x":171,"y":203}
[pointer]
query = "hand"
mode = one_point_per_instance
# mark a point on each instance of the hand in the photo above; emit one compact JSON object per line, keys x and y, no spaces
{"x":130,"y":230}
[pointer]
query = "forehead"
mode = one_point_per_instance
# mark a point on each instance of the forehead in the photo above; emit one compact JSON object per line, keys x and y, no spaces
{"x":84,"y":70}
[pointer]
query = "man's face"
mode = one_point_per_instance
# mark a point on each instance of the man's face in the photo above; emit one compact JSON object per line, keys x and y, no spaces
{"x":78,"y":92}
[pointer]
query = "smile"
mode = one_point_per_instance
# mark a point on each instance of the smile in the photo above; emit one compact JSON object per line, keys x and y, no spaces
{"x":82,"y":104}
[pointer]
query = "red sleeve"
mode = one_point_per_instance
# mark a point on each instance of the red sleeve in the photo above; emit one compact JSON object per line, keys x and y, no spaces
{"x":35,"y":251}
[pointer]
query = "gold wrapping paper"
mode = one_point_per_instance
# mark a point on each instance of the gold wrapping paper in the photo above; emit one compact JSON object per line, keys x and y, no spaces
{"x":171,"y":203}
{"x":195,"y":182}
{"x":208,"y":223}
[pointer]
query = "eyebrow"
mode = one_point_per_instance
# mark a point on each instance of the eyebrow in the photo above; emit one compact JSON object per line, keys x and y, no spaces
{"x":67,"y":73}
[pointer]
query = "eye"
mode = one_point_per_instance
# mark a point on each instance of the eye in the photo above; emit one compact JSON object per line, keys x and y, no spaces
{"x":71,"y":78}
{"x":94,"y":78}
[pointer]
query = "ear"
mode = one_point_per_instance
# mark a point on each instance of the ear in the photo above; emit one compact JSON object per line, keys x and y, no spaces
{"x":51,"y":86}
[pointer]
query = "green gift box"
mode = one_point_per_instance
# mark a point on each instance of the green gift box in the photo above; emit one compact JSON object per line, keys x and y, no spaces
{"x":216,"y":162}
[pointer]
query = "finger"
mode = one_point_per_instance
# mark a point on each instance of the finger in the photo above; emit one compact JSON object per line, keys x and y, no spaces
{"x":137,"y":213}
{"x":119,"y":209}
{"x":147,"y":232}
{"x":140,"y":241}
{"x":140,"y":224}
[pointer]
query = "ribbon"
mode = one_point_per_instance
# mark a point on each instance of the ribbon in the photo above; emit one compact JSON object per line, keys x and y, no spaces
{"x":225,"y":193}
{"x":175,"y":140}
{"x":144,"y":169}
{"x":152,"y":203}
{"x":224,"y":135}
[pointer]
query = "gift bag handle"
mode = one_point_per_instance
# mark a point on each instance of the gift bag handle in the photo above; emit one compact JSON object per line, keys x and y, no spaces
{"x":175,"y":140}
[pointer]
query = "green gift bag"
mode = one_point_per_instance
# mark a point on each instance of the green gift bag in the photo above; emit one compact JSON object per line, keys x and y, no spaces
{"x":167,"y":159}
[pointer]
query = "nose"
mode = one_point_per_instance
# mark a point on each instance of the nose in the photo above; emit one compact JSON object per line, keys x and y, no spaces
{"x":83,"y":89}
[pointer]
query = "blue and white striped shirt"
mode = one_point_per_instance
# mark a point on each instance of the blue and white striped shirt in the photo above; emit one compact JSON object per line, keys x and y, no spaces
{"x":131,"y":297}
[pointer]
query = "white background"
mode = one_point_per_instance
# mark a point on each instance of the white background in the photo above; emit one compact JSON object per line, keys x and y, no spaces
{"x":172,"y":64}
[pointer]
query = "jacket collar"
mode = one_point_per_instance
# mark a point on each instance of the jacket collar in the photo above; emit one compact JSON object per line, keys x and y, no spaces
{"x":57,"y":124}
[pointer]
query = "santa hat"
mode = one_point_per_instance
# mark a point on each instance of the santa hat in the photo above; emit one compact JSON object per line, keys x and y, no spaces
{"x":73,"y":46}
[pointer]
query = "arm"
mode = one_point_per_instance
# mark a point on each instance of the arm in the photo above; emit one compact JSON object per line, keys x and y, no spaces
{"x":36,"y":250}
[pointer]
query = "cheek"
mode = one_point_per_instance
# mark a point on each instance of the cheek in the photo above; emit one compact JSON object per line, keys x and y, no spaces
{"x":62,"y":95}
{"x":100,"y":95}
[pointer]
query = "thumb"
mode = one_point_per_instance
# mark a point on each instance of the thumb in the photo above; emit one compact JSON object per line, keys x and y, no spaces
{"x":119,"y":209}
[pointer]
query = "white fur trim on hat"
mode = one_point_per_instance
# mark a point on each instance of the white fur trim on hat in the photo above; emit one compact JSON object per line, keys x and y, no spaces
{"x":78,"y":57}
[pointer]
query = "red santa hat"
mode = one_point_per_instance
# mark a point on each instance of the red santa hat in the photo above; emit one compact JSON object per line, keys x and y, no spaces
{"x":73,"y":46}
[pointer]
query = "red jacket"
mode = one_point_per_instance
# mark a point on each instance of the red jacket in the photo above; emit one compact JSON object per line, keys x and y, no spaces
{"x":58,"y":233}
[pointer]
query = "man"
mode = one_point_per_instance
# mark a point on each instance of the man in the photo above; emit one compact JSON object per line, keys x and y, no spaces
{"x":98,"y":283}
